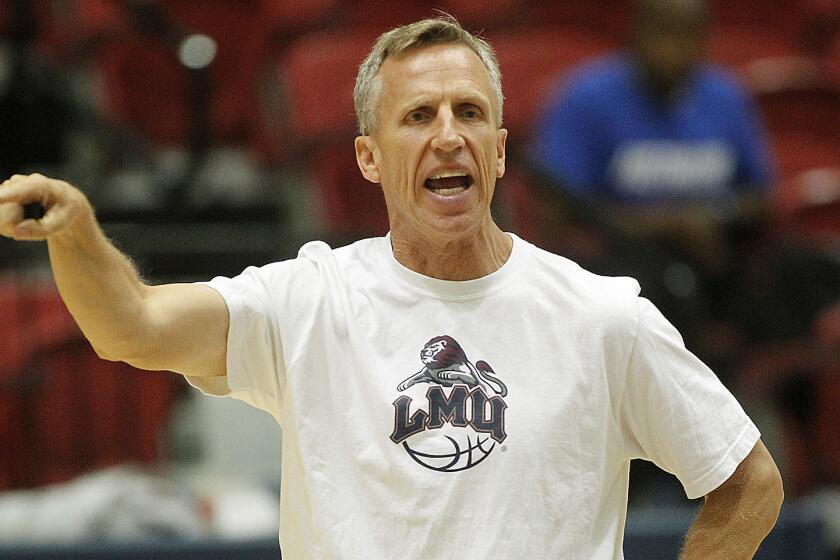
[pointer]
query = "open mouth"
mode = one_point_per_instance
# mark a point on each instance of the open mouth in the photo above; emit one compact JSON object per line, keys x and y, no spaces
{"x":448,"y":183}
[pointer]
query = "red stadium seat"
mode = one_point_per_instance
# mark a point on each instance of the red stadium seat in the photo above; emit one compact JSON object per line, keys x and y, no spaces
{"x":832,"y":61}
{"x":291,"y":17}
{"x":98,"y":18}
{"x":65,"y":411}
{"x":382,"y":15}
{"x":479,"y":16}
{"x":811,"y":447}
{"x":805,"y":159}
{"x":320,"y":73}
{"x":350,"y":207}
{"x":736,"y":45}
{"x":609,"y":18}
{"x":800,"y":104}
{"x":826,"y":433}
{"x":532,"y":64}
{"x":148,"y":90}
{"x":798,"y":152}
{"x":774,"y":14}
{"x":800,"y":109}
{"x":39,"y":23}
{"x":820,"y":25}
{"x":809,"y":205}
{"x":524,"y":206}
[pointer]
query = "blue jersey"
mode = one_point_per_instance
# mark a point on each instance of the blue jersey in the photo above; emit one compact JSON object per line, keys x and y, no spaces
{"x":605,"y":135}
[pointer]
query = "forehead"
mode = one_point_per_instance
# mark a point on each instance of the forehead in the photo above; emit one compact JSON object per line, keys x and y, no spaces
{"x":428,"y":70}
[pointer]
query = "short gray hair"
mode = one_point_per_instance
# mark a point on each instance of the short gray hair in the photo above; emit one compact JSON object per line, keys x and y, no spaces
{"x":433,"y":31}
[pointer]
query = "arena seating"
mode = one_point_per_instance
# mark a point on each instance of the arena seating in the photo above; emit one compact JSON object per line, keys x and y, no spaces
{"x":320,"y":72}
{"x":64,"y":411}
{"x":832,"y":61}
{"x":607,"y":17}
{"x":800,"y":107}
{"x":819,"y":25}
{"x":735,"y":45}
{"x":292,"y":17}
{"x":312,"y":49}
{"x":148,"y":90}
{"x":532,"y":65}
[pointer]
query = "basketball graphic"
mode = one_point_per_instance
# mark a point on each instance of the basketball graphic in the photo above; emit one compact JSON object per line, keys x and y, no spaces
{"x":470,"y":451}
{"x":459,"y":422}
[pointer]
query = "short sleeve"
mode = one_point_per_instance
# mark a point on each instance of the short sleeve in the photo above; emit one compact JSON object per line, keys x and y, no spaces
{"x":256,"y":369}
{"x":676,"y":412}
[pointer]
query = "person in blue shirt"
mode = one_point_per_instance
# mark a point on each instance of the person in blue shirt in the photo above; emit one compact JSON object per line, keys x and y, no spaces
{"x":665,"y":155}
{"x":655,"y":123}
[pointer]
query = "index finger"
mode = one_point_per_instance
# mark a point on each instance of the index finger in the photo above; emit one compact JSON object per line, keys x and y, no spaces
{"x":22,"y":189}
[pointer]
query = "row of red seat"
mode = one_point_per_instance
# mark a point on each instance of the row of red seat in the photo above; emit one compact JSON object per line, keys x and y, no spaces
{"x":291,"y":17}
{"x":146,"y":88}
{"x":285,"y":91}
{"x":64,"y":411}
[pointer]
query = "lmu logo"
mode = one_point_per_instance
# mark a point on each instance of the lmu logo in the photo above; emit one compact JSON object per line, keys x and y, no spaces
{"x":466,"y":406}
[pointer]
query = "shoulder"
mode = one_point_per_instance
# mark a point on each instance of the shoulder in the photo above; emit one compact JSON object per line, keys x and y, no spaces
{"x":606,"y":300}
{"x":595,"y":79}
{"x":718,"y":82}
{"x":362,"y":253}
{"x":606,"y":70}
{"x":317,"y":264}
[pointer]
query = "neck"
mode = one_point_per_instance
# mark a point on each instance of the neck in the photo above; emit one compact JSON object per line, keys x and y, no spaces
{"x":464,"y":258}
{"x":661,"y":89}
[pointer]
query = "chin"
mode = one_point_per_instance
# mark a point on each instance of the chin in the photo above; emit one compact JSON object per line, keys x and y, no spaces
{"x":455,"y":226}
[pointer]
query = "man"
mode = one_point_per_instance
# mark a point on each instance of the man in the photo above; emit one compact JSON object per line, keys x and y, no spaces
{"x":665,"y":154}
{"x":448,"y":391}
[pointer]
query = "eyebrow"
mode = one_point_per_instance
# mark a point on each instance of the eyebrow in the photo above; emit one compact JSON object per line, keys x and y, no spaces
{"x":481,"y":101}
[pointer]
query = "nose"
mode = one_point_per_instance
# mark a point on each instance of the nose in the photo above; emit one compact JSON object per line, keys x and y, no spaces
{"x":447,"y":136}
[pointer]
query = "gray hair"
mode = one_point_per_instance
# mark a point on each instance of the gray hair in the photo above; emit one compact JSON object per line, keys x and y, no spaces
{"x":433,"y":31}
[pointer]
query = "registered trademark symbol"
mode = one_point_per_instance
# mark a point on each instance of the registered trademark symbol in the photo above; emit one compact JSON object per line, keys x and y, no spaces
{"x":504,"y":448}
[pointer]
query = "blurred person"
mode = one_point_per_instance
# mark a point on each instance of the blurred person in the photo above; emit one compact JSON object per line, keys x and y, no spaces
{"x":665,"y":155}
{"x":446,"y":390}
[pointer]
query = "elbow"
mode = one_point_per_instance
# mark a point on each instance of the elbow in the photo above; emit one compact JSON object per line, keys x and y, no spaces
{"x":771,"y":489}
{"x":120,"y":351}
{"x":107,"y":353}
{"x":778,"y":493}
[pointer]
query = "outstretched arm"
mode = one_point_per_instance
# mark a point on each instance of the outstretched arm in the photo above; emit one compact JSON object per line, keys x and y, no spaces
{"x":177,"y":327}
{"x":740,"y":513}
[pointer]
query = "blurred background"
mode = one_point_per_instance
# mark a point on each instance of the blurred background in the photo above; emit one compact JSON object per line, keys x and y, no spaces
{"x":215,"y":134}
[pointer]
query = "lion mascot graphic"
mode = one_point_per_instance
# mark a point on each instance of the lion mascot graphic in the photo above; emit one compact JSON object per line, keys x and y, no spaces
{"x":446,"y":363}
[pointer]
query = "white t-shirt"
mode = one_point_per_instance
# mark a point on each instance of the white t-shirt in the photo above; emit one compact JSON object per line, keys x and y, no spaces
{"x":489,"y":418}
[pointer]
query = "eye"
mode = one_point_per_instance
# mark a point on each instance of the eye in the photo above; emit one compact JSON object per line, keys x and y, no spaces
{"x":471,"y":112}
{"x":417,"y":116}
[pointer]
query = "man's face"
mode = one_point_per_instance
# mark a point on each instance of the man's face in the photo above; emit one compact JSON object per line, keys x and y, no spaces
{"x":436,"y":149}
{"x":670,"y":43}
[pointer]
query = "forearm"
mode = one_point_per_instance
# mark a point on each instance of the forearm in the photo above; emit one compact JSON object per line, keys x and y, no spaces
{"x":99,"y":285}
{"x":718,"y":535}
{"x":180,"y":327}
{"x":736,"y":517}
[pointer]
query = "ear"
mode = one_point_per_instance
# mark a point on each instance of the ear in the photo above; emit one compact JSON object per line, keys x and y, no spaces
{"x":500,"y":152}
{"x":365,"y":147}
